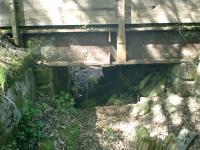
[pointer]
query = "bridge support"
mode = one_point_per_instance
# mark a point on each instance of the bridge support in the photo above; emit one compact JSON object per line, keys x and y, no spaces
{"x":14,"y":23}
{"x":121,"y":35}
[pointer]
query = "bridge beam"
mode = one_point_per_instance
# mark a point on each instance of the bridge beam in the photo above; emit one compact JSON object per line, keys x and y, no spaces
{"x":121,"y":34}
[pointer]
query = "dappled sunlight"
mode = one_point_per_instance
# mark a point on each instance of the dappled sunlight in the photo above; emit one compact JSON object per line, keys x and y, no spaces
{"x":175,"y":100}
{"x":177,"y":118}
{"x":193,"y":105}
{"x":158,"y":116}
{"x":128,"y":129}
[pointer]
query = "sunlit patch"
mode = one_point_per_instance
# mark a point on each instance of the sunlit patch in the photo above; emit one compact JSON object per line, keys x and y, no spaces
{"x":159,"y":131}
{"x":175,"y":100}
{"x":193,"y":105}
{"x":176,"y":118}
{"x":128,"y":129}
{"x":158,"y":116}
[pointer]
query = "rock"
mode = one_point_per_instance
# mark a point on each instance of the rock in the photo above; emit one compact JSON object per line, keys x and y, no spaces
{"x":144,"y":81}
{"x":184,"y":88}
{"x":145,"y":142}
{"x":184,"y":139}
{"x":158,"y":116}
{"x":44,"y":83}
{"x":43,"y":75}
{"x":188,"y":72}
{"x":152,"y":85}
{"x":142,"y":107}
{"x":170,"y":142}
{"x":172,"y":103}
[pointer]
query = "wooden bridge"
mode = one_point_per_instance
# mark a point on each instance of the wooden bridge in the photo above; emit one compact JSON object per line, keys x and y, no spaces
{"x":107,"y":32}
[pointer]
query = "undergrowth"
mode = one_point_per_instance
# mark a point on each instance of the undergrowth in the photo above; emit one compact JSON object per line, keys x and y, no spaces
{"x":2,"y":77}
{"x":64,"y":102}
{"x":29,"y":131}
{"x":26,"y":135}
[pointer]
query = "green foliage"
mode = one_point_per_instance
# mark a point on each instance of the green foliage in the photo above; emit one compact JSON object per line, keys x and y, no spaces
{"x":13,"y":65}
{"x":109,"y":130}
{"x":64,"y":102}
{"x":28,"y":131}
{"x":70,"y":135}
{"x":46,"y":144}
{"x":2,"y":77}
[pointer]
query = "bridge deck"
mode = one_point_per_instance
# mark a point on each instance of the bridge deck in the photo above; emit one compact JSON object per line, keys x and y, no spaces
{"x":106,"y":46}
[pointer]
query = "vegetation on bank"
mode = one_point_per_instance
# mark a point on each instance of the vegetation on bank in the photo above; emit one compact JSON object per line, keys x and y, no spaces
{"x":13,"y":62}
{"x":32,"y":131}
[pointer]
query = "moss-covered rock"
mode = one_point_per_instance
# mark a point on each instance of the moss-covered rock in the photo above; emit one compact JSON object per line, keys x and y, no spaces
{"x":184,"y":88}
{"x":43,"y":75}
{"x":142,"y":107}
{"x":152,"y":85}
{"x":145,"y":142}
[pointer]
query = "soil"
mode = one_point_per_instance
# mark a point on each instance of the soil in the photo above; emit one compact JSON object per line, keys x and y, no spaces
{"x":114,"y":127}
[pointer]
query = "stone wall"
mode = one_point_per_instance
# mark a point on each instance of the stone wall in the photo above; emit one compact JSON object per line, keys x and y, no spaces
{"x":184,"y":78}
{"x":15,"y":102}
{"x":50,"y":81}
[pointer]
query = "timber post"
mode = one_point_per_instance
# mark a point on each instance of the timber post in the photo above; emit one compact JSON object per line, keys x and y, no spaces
{"x":121,"y":34}
{"x":14,"y":22}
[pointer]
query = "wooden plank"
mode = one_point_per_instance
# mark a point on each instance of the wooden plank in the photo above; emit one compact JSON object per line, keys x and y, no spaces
{"x":5,"y":19}
{"x":86,"y":12}
{"x":4,"y":13}
{"x":131,"y":62}
{"x":121,"y":34}
{"x":168,"y":11}
{"x":163,"y":51}
{"x":71,"y":63}
{"x":30,"y":30}
{"x":156,"y":61}
{"x":14,"y":22}
{"x":77,"y":53}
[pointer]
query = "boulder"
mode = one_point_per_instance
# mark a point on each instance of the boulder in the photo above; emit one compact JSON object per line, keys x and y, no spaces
{"x":144,"y":141}
{"x":188,"y":72}
{"x":152,"y":85}
{"x":184,"y":88}
{"x":172,"y":102}
{"x":184,"y":138}
{"x":142,"y":107}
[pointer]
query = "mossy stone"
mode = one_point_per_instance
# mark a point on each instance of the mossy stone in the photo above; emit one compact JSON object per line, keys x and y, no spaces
{"x":43,"y":75}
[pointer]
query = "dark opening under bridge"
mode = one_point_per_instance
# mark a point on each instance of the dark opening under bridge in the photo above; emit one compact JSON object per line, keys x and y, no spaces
{"x":107,"y":32}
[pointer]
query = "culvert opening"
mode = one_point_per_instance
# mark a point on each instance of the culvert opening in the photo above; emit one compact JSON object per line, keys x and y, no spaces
{"x":118,"y":85}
